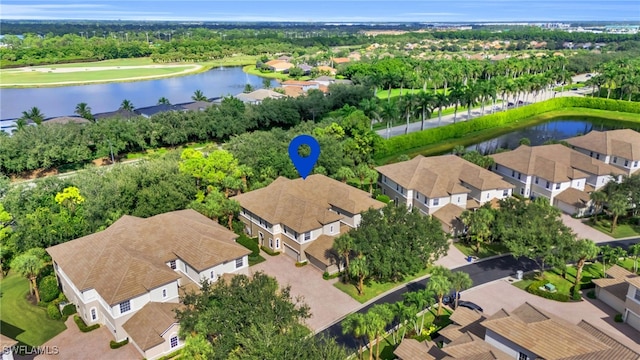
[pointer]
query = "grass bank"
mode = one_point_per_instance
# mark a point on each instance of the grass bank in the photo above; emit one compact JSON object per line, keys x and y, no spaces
{"x":21,"y":320}
{"x":374,"y":288}
{"x":443,"y":139}
{"x":251,"y":69}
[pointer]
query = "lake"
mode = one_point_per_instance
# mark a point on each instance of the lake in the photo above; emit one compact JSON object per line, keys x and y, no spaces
{"x":60,"y":101}
{"x":558,"y":129}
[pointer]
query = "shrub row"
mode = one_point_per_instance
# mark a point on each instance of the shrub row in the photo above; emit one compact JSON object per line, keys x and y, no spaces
{"x":251,"y":244}
{"x":53,"y":312}
{"x":403,"y":143}
{"x":534,"y":289}
{"x":269,"y":251}
{"x":115,"y":345}
{"x":82,"y":326}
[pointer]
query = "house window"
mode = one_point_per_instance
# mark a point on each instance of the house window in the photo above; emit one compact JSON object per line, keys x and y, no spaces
{"x":626,"y":163}
{"x":513,"y":173}
{"x":635,"y":164}
{"x":94,"y":314}
{"x":239,"y":263}
{"x":536,"y":179}
{"x":519,"y":176}
{"x":615,"y":159}
{"x":384,"y":191}
{"x":164,"y":293}
{"x":212,"y":274}
{"x":172,"y":264}
{"x":174,"y":341}
{"x":547,"y":186}
{"x":523,"y":356}
{"x":384,"y":179}
{"x":521,"y":191}
{"x":436,"y":202}
{"x":505,"y":193}
{"x":307,"y":236}
{"x":271,"y":243}
{"x":637,"y":296}
{"x":397,"y":187}
{"x":591,"y":153}
{"x":261,"y":237}
{"x":426,"y":201}
{"x":331,"y":229}
{"x":487,"y":195}
{"x":277,"y":243}
{"x":597,"y":156}
{"x":497,"y":167}
{"x":125,"y":306}
{"x":558,"y":186}
{"x":459,"y":199}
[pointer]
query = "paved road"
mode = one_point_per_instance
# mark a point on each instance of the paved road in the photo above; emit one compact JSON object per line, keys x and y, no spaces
{"x":481,"y":273}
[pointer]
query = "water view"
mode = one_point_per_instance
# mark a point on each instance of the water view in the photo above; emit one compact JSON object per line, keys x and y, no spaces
{"x":59,"y":101}
{"x":539,"y":134}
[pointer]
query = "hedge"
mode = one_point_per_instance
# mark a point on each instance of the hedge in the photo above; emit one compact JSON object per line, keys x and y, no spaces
{"x":251,"y":244}
{"x":403,"y":143}
{"x":48,"y":289}
{"x":82,"y":326}
{"x":53,"y":312}
{"x":114,"y":345}
{"x":68,"y":310}
{"x":269,"y":251}
{"x":534,"y":289}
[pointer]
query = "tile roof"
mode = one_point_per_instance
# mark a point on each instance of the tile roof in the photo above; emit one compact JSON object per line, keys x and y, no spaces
{"x":299,"y":83}
{"x":546,"y":336}
{"x":635,"y":281}
{"x":616,"y":350}
{"x":293,"y":91}
{"x":259,"y":95}
{"x":616,"y":287}
{"x":624,"y":143}
{"x":147,"y":326}
{"x":322,"y":249}
{"x":118,"y":113}
{"x":411,"y":349}
{"x":574,"y":197}
{"x":303,"y":204}
{"x":6,"y":342}
{"x":556,"y":163}
{"x":439,"y":176}
{"x":471,"y":346}
{"x":618,"y":272}
{"x":448,"y":214}
{"x":129,"y":257}
{"x":66,"y":120}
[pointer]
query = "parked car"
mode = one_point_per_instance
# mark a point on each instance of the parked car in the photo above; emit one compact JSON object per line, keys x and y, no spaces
{"x":588,"y":75}
{"x":574,"y":89}
{"x":450,"y":299}
{"x":520,"y":102}
{"x":470,"y":305}
{"x":510,"y":104}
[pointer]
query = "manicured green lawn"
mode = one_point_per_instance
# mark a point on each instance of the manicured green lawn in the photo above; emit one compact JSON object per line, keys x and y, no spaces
{"x":251,"y":69}
{"x":622,"y":230}
{"x":563,"y":286}
{"x":486,"y":250}
{"x":20,"y":320}
{"x":569,"y":87}
{"x":374,"y":288}
{"x":239,"y":60}
{"x":36,"y":77}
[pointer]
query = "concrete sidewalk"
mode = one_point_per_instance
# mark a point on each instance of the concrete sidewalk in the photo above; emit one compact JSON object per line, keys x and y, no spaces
{"x":454,"y":258}
{"x":585,"y":231}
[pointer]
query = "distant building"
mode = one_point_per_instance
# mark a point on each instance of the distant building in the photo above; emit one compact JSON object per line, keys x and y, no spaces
{"x":257,"y":96}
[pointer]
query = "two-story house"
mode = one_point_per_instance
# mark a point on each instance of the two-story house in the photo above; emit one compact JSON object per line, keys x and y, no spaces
{"x":290,"y":215}
{"x":620,"y":148}
{"x":442,"y":186}
{"x":128,"y":277}
{"x":556,"y":172}
{"x":621,"y":291}
{"x":526,"y":333}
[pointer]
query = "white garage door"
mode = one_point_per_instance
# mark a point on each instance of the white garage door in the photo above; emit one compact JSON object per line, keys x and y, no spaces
{"x":633,"y":320}
{"x":609,"y":299}
{"x":291,"y":252}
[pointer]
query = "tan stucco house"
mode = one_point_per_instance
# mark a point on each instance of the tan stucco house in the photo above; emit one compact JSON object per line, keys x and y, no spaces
{"x":301,"y":217}
{"x":128,"y":277}
{"x":620,"y":148}
{"x":621,"y":291}
{"x":564,"y":176}
{"x":526,"y":333}
{"x":442,"y":186}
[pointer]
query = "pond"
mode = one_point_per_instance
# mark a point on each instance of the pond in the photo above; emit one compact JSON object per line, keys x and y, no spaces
{"x":557,"y":129}
{"x":60,"y":101}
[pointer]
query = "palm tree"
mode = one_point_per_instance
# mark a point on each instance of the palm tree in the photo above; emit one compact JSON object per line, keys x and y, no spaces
{"x":355,"y":325}
{"x":84,"y":111}
{"x":359,"y":269}
{"x":29,"y":265}
{"x":343,"y":245}
{"x":198,"y":96}
{"x":230,"y":208}
{"x":344,"y":173}
{"x":634,"y":250}
{"x":460,"y":281}
{"x":598,"y":198}
{"x":21,"y":123}
{"x":408,"y":103}
{"x":371,"y":109}
{"x":34,"y":114}
{"x":584,"y":250}
{"x":456,"y":95}
{"x":439,"y":285}
{"x":389,"y":114}
{"x":608,"y":256}
{"x":126,"y":105}
{"x":470,"y":97}
{"x":618,"y":205}
{"x":163,"y":101}
{"x":441,"y":100}
{"x":426,"y":101}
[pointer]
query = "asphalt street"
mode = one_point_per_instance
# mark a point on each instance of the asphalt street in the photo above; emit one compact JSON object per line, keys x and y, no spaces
{"x":481,"y":272}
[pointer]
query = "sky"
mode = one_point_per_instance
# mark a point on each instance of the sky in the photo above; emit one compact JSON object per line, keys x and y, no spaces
{"x":326,"y":11}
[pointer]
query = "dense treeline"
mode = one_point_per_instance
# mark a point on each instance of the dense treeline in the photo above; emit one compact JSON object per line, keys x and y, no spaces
{"x":47,"y":146}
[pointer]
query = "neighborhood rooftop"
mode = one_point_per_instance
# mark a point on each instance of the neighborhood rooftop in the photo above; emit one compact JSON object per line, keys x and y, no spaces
{"x":624,"y":143}
{"x":129,"y":257}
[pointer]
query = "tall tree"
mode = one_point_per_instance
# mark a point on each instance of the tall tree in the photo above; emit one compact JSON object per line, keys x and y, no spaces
{"x":355,"y":324}
{"x":343,"y":245}
{"x":460,"y":281}
{"x":34,"y":114}
{"x":84,"y":110}
{"x":439,"y":285}
{"x":198,"y":95}
{"x":598,"y":198}
{"x":478,"y":223}
{"x":126,"y":105}
{"x":30,"y":264}
{"x":584,"y":250}
{"x":164,"y":101}
{"x":359,"y":269}
{"x":618,"y":205}
{"x":634,"y":250}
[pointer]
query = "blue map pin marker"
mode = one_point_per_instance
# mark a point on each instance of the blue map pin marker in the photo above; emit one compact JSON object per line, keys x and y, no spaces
{"x":303,"y":164}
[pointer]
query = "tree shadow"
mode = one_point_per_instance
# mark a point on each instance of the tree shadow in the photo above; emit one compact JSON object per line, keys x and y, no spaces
{"x":11,"y":330}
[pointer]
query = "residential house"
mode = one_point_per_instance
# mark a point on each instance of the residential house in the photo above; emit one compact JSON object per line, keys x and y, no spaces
{"x":556,"y":172}
{"x":8,"y":125}
{"x":442,"y":186}
{"x":194,"y":105}
{"x":326,"y":69}
{"x":7,"y":345}
{"x":65,"y":120}
{"x":257,"y":96}
{"x":304,"y":85}
{"x":279,"y":66}
{"x":324,"y":80}
{"x":187,"y":106}
{"x":118,"y":113}
{"x":338,"y":61}
{"x":621,"y":290}
{"x":301,"y":217}
{"x":620,"y":148}
{"x":306,"y":69}
{"x":128,"y":277}
{"x":526,"y":333}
